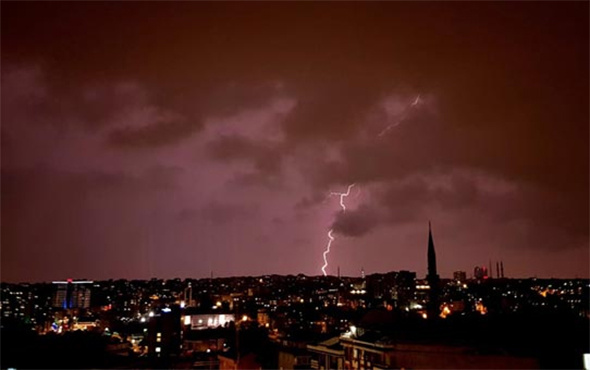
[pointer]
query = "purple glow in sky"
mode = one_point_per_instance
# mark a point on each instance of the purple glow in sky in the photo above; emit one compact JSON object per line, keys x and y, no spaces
{"x":174,"y":139}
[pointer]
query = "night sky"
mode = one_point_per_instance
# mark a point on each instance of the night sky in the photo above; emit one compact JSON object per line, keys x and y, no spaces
{"x":170,"y":140}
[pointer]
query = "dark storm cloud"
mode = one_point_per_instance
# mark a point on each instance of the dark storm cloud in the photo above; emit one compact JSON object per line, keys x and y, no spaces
{"x":93,"y":107}
{"x":188,"y":111}
{"x":132,"y":118}
{"x":505,"y":88}
{"x":397,"y":203}
{"x":231,"y":98}
{"x":254,"y":179}
{"x":265,"y":156}
{"x":308,"y":202}
{"x":357,"y":222}
{"x":465,"y":194}
{"x":157,"y":134}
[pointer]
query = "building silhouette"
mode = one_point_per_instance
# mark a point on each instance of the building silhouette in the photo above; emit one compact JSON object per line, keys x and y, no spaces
{"x":460,"y":276}
{"x":480,"y":273}
{"x":432,"y":278}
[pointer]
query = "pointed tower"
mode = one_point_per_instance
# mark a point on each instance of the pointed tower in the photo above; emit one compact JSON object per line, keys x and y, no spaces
{"x":432,"y":278}
{"x":431,"y":254}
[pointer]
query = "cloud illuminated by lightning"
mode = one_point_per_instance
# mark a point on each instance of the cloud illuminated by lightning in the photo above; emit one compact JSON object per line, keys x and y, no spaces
{"x":401,"y":118}
{"x":330,"y":237}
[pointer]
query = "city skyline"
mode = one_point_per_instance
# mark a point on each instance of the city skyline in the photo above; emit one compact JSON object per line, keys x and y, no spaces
{"x":173,"y":140}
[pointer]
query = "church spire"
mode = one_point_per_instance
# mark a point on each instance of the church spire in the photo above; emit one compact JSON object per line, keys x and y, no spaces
{"x":432,"y":278}
{"x":431,"y":253}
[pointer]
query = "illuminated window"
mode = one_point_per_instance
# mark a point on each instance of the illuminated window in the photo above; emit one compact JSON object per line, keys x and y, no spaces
{"x":158,"y":349}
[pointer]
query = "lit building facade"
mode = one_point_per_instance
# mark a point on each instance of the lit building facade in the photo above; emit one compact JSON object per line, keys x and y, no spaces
{"x":327,"y":355}
{"x":72,"y":294}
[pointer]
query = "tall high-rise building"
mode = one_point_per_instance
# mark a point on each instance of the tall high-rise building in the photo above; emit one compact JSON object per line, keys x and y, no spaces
{"x":432,"y":278}
{"x":72,"y":294}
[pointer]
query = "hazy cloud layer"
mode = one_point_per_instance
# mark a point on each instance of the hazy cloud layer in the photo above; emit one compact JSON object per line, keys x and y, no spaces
{"x":195,"y":137}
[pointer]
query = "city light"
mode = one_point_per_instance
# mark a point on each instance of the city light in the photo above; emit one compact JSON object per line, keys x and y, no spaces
{"x":196,"y":157}
{"x":479,"y":307}
{"x":445,"y":312}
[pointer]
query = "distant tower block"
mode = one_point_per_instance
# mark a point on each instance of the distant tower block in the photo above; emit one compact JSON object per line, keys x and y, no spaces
{"x":460,"y":276}
{"x":338,"y":272}
{"x":497,"y":270}
{"x":362,"y":272}
{"x":480,"y":273}
{"x":502,"y":268}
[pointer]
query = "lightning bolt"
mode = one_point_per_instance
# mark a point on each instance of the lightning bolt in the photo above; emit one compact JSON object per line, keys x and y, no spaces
{"x":403,"y":116}
{"x":343,"y":195}
{"x":330,"y":237}
{"x":327,"y":251}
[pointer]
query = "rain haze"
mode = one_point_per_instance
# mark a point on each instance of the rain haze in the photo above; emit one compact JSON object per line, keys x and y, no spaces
{"x":182,"y":139}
